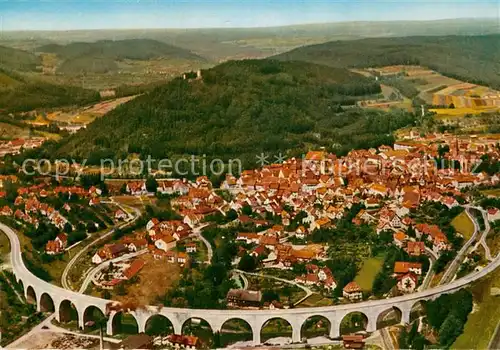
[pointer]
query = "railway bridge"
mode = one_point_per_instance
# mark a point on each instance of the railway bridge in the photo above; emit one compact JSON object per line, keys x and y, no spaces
{"x":63,"y":302}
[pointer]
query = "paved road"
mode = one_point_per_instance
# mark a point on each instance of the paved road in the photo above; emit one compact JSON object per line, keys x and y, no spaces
{"x":91,"y":274}
{"x":495,"y":339}
{"x":59,"y":293}
{"x":304,"y":288}
{"x":197,"y":233}
{"x":487,"y":228}
{"x":387,"y":339}
{"x":69,"y":266}
{"x":53,"y":329}
{"x":430,"y":273}
{"x":455,"y":264}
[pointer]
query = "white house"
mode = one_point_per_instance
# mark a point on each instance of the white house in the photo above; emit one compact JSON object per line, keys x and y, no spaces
{"x":165,"y":242}
{"x":493,"y":214}
{"x":408,"y":283}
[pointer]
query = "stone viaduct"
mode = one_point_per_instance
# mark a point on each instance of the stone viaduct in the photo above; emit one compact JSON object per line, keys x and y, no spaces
{"x":49,"y":297}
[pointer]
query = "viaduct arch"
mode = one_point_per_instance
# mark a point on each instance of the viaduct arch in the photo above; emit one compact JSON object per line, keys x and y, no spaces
{"x":216,"y":318}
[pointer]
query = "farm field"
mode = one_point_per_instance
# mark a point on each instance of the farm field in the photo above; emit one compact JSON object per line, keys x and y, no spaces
{"x":88,"y":114}
{"x":368,"y":272}
{"x":463,"y":224}
{"x":434,"y":89}
{"x":457,"y":113}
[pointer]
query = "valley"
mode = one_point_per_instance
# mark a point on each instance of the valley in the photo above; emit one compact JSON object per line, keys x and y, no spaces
{"x":324,"y":185}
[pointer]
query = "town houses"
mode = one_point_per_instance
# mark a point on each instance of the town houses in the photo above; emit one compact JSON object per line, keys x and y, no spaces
{"x":279,"y":211}
{"x":15,"y":146}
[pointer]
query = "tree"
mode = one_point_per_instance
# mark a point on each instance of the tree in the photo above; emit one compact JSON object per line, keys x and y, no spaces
{"x":287,"y":292}
{"x":246,"y":210}
{"x":120,"y":289}
{"x":247,"y":263}
{"x":217,"y":341}
{"x":151,"y":184}
{"x":269,"y":295}
{"x":231,"y":215}
{"x":450,"y":329}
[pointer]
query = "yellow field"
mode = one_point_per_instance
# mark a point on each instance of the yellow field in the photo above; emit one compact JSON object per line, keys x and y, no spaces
{"x":463,"y":224}
{"x":368,"y":272}
{"x":493,"y":192}
{"x":460,"y":112}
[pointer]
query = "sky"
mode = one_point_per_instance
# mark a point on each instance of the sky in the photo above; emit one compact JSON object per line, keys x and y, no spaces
{"x":130,"y":14}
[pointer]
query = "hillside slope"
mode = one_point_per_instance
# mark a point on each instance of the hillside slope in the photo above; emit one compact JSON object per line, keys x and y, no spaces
{"x":239,"y":109}
{"x":18,"y":93}
{"x":471,"y":58}
{"x":104,"y":56}
{"x":14,"y":59}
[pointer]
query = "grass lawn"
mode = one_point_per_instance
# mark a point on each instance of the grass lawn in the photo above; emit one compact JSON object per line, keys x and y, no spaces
{"x":493,"y":241}
{"x":493,"y":192}
{"x":4,"y":245}
{"x":369,"y":270}
{"x":316,"y":300}
{"x":463,"y":224}
{"x":484,"y":318}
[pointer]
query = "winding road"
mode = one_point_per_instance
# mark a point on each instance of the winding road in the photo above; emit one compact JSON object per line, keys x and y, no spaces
{"x":487,"y":228}
{"x":455,"y":264}
{"x":256,"y":318}
{"x":69,"y":266}
{"x":293,"y":283}
{"x":90,"y":275}
{"x":430,"y":273}
{"x":210,"y":251}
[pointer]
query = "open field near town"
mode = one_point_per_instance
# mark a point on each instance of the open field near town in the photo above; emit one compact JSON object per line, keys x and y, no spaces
{"x":483,"y":319}
{"x":368,"y":272}
{"x":493,"y":192}
{"x":457,"y":113}
{"x":463,"y":224}
{"x":9,"y":131}
{"x":4,"y":245}
{"x":316,"y":300}
{"x":154,"y":279}
{"x":88,"y":114}
{"x":291,"y":293}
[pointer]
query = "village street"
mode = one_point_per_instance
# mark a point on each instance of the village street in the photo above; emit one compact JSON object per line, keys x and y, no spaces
{"x":64,"y":278}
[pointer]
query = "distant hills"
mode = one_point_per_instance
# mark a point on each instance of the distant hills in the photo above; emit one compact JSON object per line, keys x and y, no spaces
{"x":18,"y":93}
{"x":237,"y":110}
{"x":471,"y":58}
{"x":104,"y":56}
{"x":15,"y":59}
{"x":236,"y":43}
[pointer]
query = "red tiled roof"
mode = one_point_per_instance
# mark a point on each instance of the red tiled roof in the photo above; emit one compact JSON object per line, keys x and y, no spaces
{"x":134,"y":268}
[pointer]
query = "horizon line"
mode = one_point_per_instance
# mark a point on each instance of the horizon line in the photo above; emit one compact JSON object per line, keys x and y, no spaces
{"x":250,"y":27}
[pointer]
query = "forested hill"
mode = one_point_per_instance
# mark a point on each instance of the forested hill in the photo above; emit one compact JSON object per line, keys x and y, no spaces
{"x":18,"y":93}
{"x":14,"y":59}
{"x":103,"y":56}
{"x":470,"y":58}
{"x":239,"y":109}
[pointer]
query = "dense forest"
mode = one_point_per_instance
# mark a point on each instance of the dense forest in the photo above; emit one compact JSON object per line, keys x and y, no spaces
{"x":239,"y":109}
{"x":25,"y":95}
{"x":104,"y":56}
{"x":14,"y":59}
{"x":474,"y":59}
